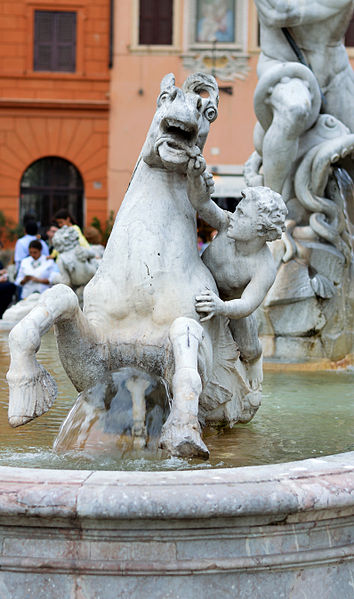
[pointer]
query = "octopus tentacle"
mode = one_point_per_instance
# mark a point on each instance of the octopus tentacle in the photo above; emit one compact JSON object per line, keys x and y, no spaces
{"x":251,"y":170}
{"x":310,"y":180}
{"x":327,"y":154}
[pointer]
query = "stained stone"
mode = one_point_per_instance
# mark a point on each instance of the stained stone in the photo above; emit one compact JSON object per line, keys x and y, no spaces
{"x":297,"y":319}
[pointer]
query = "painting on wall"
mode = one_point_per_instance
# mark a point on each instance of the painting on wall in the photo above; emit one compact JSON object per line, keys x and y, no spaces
{"x":215,"y":21}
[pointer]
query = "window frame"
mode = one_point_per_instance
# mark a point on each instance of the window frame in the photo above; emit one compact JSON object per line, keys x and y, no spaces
{"x":43,"y":5}
{"x":173,"y":48}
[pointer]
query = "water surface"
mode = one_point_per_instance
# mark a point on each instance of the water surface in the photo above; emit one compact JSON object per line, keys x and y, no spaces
{"x":303,"y":415}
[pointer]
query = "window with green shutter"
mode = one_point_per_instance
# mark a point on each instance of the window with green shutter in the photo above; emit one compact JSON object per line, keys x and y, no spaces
{"x":54,"y":41}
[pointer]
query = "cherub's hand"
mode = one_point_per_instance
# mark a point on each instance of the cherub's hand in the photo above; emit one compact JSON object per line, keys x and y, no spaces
{"x":209,"y":182}
{"x":200,"y":182}
{"x":208,"y":303}
{"x":196,"y":164}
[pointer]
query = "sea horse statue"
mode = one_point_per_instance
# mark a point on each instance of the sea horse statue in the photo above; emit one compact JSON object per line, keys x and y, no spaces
{"x":139,"y":308}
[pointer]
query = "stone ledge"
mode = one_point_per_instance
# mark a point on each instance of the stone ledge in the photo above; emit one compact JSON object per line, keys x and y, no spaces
{"x":313,"y":485}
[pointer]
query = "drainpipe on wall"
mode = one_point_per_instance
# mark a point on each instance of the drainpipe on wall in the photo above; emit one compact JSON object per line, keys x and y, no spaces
{"x":111,"y":33}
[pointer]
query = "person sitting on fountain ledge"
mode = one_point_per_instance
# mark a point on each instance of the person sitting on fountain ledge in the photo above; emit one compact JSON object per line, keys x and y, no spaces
{"x":35,"y":271}
{"x":239,"y":259}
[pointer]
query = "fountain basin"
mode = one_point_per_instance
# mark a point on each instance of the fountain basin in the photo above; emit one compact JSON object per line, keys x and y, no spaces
{"x":264,"y":531}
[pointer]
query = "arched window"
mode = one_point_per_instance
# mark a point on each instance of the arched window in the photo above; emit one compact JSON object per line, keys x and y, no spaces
{"x":49,"y":184}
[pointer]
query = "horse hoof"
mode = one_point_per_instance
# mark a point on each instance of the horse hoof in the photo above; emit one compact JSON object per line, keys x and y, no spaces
{"x":15,"y":421}
{"x":183,"y":441}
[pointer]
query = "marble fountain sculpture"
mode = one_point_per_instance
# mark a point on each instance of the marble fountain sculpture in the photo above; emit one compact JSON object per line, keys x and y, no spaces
{"x":304,"y":143}
{"x":152,"y":312}
{"x":76,"y":264}
{"x":154,"y":325}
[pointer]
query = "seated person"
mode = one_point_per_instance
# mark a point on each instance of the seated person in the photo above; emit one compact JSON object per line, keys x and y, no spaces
{"x":35,"y":271}
{"x":7,"y":290}
{"x":63,"y":217}
{"x":94,"y":238}
{"x":50,"y":232}
{"x":22,"y":244}
{"x":238,"y":257}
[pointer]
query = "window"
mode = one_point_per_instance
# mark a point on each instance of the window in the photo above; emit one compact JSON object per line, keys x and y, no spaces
{"x":54,"y":41}
{"x":349,"y":36}
{"x":217,"y":38}
{"x":155,"y":22}
{"x":49,"y":184}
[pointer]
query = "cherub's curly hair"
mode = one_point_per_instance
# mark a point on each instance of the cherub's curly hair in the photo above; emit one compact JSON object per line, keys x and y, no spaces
{"x":271,"y":211}
{"x":65,"y":239}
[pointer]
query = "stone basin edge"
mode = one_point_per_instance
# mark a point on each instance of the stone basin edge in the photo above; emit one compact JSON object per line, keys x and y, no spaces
{"x":319,"y":486}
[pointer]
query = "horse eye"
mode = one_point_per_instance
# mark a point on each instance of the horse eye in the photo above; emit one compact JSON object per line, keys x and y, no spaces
{"x":210,"y":113}
{"x":163,"y":96}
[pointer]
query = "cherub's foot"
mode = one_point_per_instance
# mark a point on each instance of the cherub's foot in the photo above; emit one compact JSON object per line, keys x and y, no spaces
{"x":30,"y":396}
{"x":181,"y":438}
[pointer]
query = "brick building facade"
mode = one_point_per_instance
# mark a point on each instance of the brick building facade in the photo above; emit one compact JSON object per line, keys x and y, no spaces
{"x":76,"y":100}
{"x":54,"y":111}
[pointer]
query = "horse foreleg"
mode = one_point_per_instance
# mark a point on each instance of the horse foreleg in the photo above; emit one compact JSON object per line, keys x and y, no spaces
{"x":181,"y":431}
{"x":32,"y":388}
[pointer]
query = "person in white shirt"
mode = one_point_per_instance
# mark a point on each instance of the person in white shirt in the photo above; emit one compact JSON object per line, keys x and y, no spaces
{"x":35,"y":271}
{"x":22,"y":244}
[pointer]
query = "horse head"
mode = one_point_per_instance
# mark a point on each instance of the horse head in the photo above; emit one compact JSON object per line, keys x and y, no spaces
{"x":181,"y":122}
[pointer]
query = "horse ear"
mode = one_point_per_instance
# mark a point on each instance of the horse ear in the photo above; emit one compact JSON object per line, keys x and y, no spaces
{"x":201,"y":82}
{"x":167,"y":82}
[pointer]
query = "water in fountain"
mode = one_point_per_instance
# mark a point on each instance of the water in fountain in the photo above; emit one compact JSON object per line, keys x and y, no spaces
{"x":303,"y":414}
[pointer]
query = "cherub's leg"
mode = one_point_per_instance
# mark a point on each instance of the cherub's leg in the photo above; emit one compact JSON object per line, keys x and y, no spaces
{"x":181,"y":431}
{"x":32,"y":389}
{"x":245,"y":334}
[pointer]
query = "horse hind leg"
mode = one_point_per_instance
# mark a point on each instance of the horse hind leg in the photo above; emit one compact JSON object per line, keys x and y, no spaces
{"x":181,"y":431}
{"x":32,"y":388}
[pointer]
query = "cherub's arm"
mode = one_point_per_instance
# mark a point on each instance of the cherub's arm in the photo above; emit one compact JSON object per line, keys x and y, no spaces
{"x":200,"y":189}
{"x":209,"y":304}
{"x":290,"y":13}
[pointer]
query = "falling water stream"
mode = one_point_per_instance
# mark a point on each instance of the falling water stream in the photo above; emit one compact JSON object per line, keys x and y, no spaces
{"x":303,"y":415}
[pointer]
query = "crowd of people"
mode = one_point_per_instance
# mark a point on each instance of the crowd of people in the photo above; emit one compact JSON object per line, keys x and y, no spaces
{"x":35,"y":259}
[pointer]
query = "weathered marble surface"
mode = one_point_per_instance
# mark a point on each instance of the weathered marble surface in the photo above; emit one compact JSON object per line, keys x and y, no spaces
{"x":304,"y":142}
{"x":260,"y":532}
{"x":18,"y":311}
{"x":76,"y":264}
{"x":141,"y":307}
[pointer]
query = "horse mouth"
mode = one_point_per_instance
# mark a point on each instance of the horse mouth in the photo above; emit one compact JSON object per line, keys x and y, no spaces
{"x":177,"y":134}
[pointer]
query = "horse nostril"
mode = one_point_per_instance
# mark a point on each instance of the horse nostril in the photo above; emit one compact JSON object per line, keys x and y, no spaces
{"x":199,"y":104}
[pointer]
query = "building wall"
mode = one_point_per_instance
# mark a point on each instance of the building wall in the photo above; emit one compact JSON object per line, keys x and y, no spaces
{"x":97,"y":118}
{"x":50,"y":113}
{"x":135,"y":80}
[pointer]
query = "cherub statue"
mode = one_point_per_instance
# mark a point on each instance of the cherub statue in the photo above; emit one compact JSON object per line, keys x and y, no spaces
{"x":76,"y":264}
{"x":239,"y":259}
